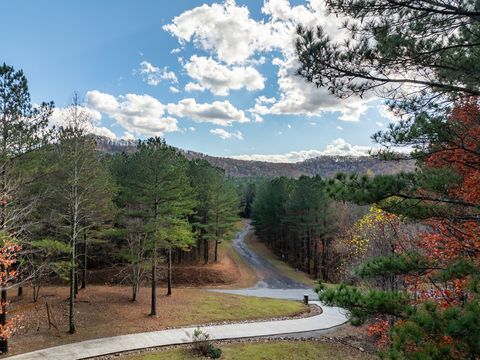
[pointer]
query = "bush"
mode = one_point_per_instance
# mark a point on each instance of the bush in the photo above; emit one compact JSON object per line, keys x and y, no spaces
{"x":203,"y":345}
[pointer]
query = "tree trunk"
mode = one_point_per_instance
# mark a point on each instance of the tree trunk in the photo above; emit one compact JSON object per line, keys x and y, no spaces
{"x":216,"y":250}
{"x":71,"y":314}
{"x":20,"y":291}
{"x":153,"y":310}
{"x":84,"y":277}
{"x":73,"y":270}
{"x":76,"y":283}
{"x":205,"y":251}
{"x":3,"y":317}
{"x":36,"y":292}
{"x":324,"y":260}
{"x":315,"y":258}
{"x":309,"y":253}
{"x":169,"y":275}
{"x":134,"y":292}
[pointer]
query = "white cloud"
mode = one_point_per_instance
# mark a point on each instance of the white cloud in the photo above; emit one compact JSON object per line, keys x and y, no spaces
{"x":338,"y":147}
{"x":153,"y":75}
{"x":91,"y":121}
{"x":221,"y":113}
{"x":220,"y":79}
{"x":223,"y":134}
{"x":380,"y":124}
{"x":193,"y":87}
{"x":264,"y":100}
{"x":228,"y":31}
{"x":257,"y":118}
{"x":128,"y":136}
{"x":139,"y":114}
{"x":173,"y":90}
{"x":299,"y":97}
{"x":289,"y":126}
{"x":339,"y":128}
{"x":387,"y":113}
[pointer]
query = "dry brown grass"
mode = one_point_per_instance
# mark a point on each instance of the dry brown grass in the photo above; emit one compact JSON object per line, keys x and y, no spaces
{"x":107,"y":311}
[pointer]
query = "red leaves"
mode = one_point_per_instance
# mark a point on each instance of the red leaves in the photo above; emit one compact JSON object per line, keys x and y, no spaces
{"x":462,"y":151}
{"x":451,"y":239}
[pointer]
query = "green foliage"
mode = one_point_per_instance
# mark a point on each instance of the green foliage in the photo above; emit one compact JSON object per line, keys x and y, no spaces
{"x":390,"y":46}
{"x":427,"y":326}
{"x":291,"y":215}
{"x":203,"y":345}
{"x":51,"y":247}
{"x":396,"y":264}
{"x":218,"y":204}
{"x":363,"y":304}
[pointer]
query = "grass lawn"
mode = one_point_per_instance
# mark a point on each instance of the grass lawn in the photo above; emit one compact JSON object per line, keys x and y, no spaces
{"x":107,"y":311}
{"x":275,"y":350}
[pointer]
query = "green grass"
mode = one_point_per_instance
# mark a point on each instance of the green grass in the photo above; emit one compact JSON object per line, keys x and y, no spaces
{"x":280,"y":350}
{"x":228,"y":307}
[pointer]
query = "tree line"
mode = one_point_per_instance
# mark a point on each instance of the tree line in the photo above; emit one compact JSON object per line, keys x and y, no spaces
{"x":295,"y":218}
{"x":62,"y":201}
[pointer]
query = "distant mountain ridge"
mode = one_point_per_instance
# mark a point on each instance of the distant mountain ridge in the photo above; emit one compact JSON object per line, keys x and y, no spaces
{"x":325,"y":166}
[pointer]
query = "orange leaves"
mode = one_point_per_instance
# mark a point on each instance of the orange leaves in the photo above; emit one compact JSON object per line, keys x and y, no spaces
{"x":380,"y":330}
{"x":8,"y":257}
{"x":462,"y":152}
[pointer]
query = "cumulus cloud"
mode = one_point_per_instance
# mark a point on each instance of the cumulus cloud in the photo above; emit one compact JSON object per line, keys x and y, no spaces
{"x":338,"y":147}
{"x":139,"y":114}
{"x":220,"y":79}
{"x":221,"y":113}
{"x":91,"y":121}
{"x":299,"y":97}
{"x":173,"y":90}
{"x":193,"y":87}
{"x":223,"y":134}
{"x":145,"y":115}
{"x":153,"y":75}
{"x":227,"y":31}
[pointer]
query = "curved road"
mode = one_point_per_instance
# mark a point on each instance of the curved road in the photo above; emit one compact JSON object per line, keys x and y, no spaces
{"x":270,"y":276}
{"x":272,"y":284}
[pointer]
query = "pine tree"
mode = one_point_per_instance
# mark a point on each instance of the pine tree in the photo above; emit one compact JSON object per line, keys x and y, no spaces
{"x":22,"y":130}
{"x":80,"y":180}
{"x":156,"y":185}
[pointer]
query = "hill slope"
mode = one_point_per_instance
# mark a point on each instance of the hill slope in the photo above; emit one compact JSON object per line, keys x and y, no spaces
{"x":325,"y":166}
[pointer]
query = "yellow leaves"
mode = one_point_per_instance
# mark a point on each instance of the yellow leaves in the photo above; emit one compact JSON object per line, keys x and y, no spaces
{"x":367,"y":229}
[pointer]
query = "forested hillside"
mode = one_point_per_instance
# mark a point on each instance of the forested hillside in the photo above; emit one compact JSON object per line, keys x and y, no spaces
{"x":325,"y":166}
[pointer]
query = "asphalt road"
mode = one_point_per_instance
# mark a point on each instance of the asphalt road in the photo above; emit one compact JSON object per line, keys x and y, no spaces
{"x":273,"y":283}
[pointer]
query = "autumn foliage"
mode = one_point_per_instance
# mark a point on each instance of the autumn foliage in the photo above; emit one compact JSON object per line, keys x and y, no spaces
{"x":417,"y":252}
{"x":9,"y":250}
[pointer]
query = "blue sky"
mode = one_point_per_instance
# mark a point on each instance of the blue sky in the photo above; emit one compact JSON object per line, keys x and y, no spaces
{"x":215,"y":77}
